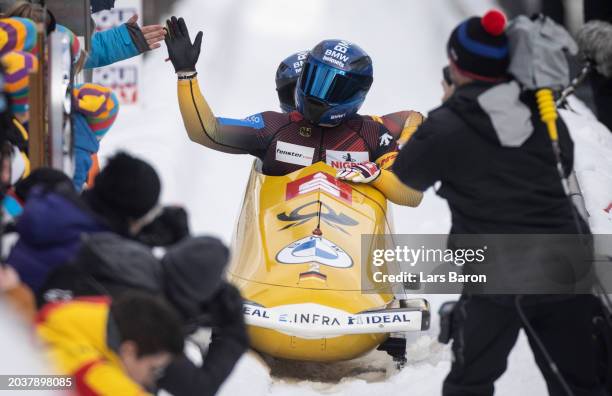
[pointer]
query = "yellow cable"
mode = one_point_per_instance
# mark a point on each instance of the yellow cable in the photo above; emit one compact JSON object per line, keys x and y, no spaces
{"x":548,"y":111}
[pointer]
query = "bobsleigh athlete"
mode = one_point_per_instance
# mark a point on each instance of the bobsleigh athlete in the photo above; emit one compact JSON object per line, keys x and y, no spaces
{"x":401,"y":124}
{"x":335,"y":79}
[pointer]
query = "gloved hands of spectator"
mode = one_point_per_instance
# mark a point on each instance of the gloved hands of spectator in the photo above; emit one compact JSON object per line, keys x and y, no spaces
{"x":364,"y":172}
{"x":170,"y":227}
{"x":154,"y":34}
{"x":226,"y":306}
{"x":227,"y":314}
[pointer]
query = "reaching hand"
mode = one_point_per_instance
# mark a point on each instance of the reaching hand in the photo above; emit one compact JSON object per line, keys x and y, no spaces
{"x":9,"y":279}
{"x":154,"y":34}
{"x":359,"y":173}
{"x":183,"y":54}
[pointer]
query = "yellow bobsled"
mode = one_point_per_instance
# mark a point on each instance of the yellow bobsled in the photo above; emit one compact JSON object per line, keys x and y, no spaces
{"x":297,"y":261}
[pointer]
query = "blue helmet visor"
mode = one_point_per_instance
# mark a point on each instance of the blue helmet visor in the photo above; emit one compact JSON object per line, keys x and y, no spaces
{"x":330,"y":84}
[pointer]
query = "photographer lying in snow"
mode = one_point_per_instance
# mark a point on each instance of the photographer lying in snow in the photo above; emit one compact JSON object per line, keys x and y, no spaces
{"x":189,"y":277}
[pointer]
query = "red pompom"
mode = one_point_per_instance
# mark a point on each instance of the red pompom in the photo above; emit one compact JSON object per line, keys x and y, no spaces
{"x":494,"y":22}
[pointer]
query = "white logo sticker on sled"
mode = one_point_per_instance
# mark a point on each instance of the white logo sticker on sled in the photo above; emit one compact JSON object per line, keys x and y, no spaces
{"x":294,"y":153}
{"x":315,"y":249}
{"x":343,"y":159}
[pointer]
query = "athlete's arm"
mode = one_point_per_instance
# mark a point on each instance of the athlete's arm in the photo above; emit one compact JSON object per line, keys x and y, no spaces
{"x":402,"y":124}
{"x":221,"y":134}
{"x":387,"y":182}
{"x":226,"y":135}
{"x":391,"y":186}
{"x":395,"y":191}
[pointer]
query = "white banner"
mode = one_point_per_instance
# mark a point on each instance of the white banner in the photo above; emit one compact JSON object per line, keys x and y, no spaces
{"x":318,"y":321}
{"x":123,"y":77}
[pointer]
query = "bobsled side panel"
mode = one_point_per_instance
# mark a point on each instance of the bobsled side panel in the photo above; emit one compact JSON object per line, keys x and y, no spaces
{"x":317,"y":350}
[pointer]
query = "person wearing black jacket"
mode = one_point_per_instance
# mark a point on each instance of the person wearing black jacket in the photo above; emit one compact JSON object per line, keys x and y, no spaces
{"x":493,"y":158}
{"x":189,"y":276}
{"x":204,"y":298}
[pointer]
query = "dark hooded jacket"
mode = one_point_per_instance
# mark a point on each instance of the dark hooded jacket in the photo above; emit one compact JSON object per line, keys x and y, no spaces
{"x":50,"y":231}
{"x":189,"y":276}
{"x":195,"y":267}
{"x":494,"y":159}
{"x":106,"y":264}
{"x":193,"y":272}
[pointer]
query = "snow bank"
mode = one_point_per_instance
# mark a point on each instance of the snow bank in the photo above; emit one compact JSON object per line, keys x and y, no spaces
{"x":20,"y":353}
{"x":593,"y":164}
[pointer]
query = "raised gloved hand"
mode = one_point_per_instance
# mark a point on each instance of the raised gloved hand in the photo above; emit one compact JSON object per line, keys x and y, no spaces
{"x":183,"y":54}
{"x":364,"y":172}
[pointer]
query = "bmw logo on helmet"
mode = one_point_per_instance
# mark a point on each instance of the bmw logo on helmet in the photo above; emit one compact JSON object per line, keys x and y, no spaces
{"x":334,"y":82}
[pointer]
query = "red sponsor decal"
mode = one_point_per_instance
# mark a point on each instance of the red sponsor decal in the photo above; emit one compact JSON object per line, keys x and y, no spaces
{"x":609,"y":208}
{"x":346,"y":164}
{"x":383,"y":163}
{"x":319,"y":182}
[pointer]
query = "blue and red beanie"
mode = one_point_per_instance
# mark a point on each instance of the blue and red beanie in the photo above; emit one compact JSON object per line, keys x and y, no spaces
{"x":479,"y":47}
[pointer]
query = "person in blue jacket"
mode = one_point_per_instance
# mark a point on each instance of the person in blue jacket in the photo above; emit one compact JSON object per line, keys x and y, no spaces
{"x":50,"y":230}
{"x":107,"y":47}
{"x":123,"y":42}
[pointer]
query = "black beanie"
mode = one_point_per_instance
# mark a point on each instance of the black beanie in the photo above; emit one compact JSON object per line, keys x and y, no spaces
{"x":127,"y":186}
{"x":47,"y":178}
{"x":479,"y":47}
{"x":193,"y":273}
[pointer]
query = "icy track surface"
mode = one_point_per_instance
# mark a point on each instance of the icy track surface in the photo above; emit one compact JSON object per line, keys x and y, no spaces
{"x":243,"y":43}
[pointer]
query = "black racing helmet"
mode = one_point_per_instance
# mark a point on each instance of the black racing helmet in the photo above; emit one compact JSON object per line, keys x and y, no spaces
{"x":336,"y":78}
{"x":287,"y":75}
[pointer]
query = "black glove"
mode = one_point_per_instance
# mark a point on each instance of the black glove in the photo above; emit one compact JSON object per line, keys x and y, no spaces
{"x":226,"y":307}
{"x":182,"y":53}
{"x":227,"y":313}
{"x":170,"y":227}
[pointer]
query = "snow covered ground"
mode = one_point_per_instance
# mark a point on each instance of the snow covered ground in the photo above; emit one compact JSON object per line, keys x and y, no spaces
{"x":593,"y":146}
{"x":243,"y":43}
